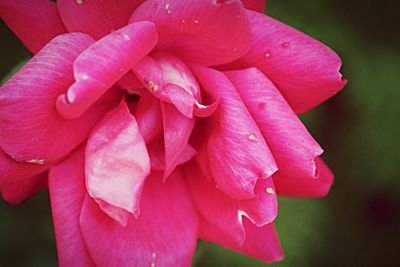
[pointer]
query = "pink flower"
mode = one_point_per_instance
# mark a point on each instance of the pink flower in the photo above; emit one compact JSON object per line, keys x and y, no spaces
{"x":160,"y":122}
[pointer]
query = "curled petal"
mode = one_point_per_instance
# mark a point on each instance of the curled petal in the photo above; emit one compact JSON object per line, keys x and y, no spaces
{"x":225,"y":213}
{"x":103,"y":64}
{"x":96,"y":17}
{"x":168,"y":78}
{"x":294,"y":149}
{"x":35,"y":22}
{"x":177,"y":130}
{"x":238,"y":154}
{"x":165,"y":233}
{"x":117,"y":163}
{"x":203,"y":32}
{"x":31,"y":129}
{"x":67,"y":192}
{"x":148,"y":116}
{"x":303,"y":69}
{"x":319,"y":187}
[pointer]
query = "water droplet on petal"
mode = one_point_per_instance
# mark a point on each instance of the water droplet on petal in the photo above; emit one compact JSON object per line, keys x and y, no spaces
{"x":79,"y":2}
{"x":251,"y":137}
{"x":196,"y":21}
{"x":267,"y":54}
{"x":183,"y":21}
{"x":270,"y":190}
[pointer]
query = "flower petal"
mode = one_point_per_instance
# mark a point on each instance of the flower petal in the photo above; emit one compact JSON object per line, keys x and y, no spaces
{"x":164,"y":234}
{"x":96,"y":17}
{"x":306,"y":187}
{"x":67,"y":192}
{"x":304,"y":70}
{"x":203,"y":32}
{"x":35,"y":22}
{"x":294,"y":149}
{"x":177,"y":130}
{"x":225,"y":213}
{"x":257,"y":5}
{"x":238,"y":154}
{"x":148,"y":116}
{"x":31,"y":129}
{"x":17,"y":191}
{"x":117,"y":163}
{"x":103,"y":64}
{"x":168,"y":78}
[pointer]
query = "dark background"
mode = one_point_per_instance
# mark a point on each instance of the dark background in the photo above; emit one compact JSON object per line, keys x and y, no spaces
{"x":358,"y":224}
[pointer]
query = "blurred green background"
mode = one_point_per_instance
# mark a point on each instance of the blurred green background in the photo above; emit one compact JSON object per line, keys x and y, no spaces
{"x":358,"y":224}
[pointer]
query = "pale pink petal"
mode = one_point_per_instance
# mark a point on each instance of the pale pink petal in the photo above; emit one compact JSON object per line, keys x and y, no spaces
{"x":225,"y":213}
{"x":238,"y":154}
{"x":103,"y":64}
{"x":31,"y":129}
{"x":35,"y":22}
{"x":17,"y":191}
{"x":257,"y":5}
{"x":303,"y":69}
{"x":203,"y":32}
{"x":67,"y":192}
{"x":261,"y":242}
{"x":148,"y":116}
{"x":306,"y":187}
{"x":164,"y":234}
{"x":294,"y":149}
{"x":168,"y":78}
{"x":117,"y":163}
{"x":177,"y":130}
{"x":96,"y":17}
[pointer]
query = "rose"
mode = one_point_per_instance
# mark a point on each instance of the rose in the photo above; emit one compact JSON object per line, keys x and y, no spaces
{"x":161,"y":122}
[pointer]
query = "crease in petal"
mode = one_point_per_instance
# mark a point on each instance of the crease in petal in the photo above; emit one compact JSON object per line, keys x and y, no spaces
{"x":164,"y":234}
{"x":103,"y":64}
{"x":303,"y":69}
{"x":31,"y":129}
{"x":318,"y":187}
{"x":226,"y":214}
{"x":292,"y":146}
{"x":117,"y":164}
{"x":237,"y":153}
{"x":206,"y":33}
{"x":35,"y":22}
{"x":96,"y":17}
{"x":67,"y":192}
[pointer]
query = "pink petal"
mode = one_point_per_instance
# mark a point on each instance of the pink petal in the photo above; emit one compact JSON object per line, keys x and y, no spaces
{"x":164,"y":234}
{"x":168,"y":78}
{"x":257,"y":5}
{"x":17,"y":191}
{"x":67,"y":192}
{"x":304,"y":70}
{"x":177,"y":130}
{"x":103,"y":64}
{"x":131,"y":83}
{"x":96,"y":17}
{"x":148,"y":116}
{"x":306,"y":187}
{"x":225,"y":213}
{"x":261,"y":242}
{"x":294,"y":149}
{"x":117,"y":163}
{"x":31,"y":129}
{"x":238,"y":154}
{"x":35,"y":22}
{"x":203,"y":32}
